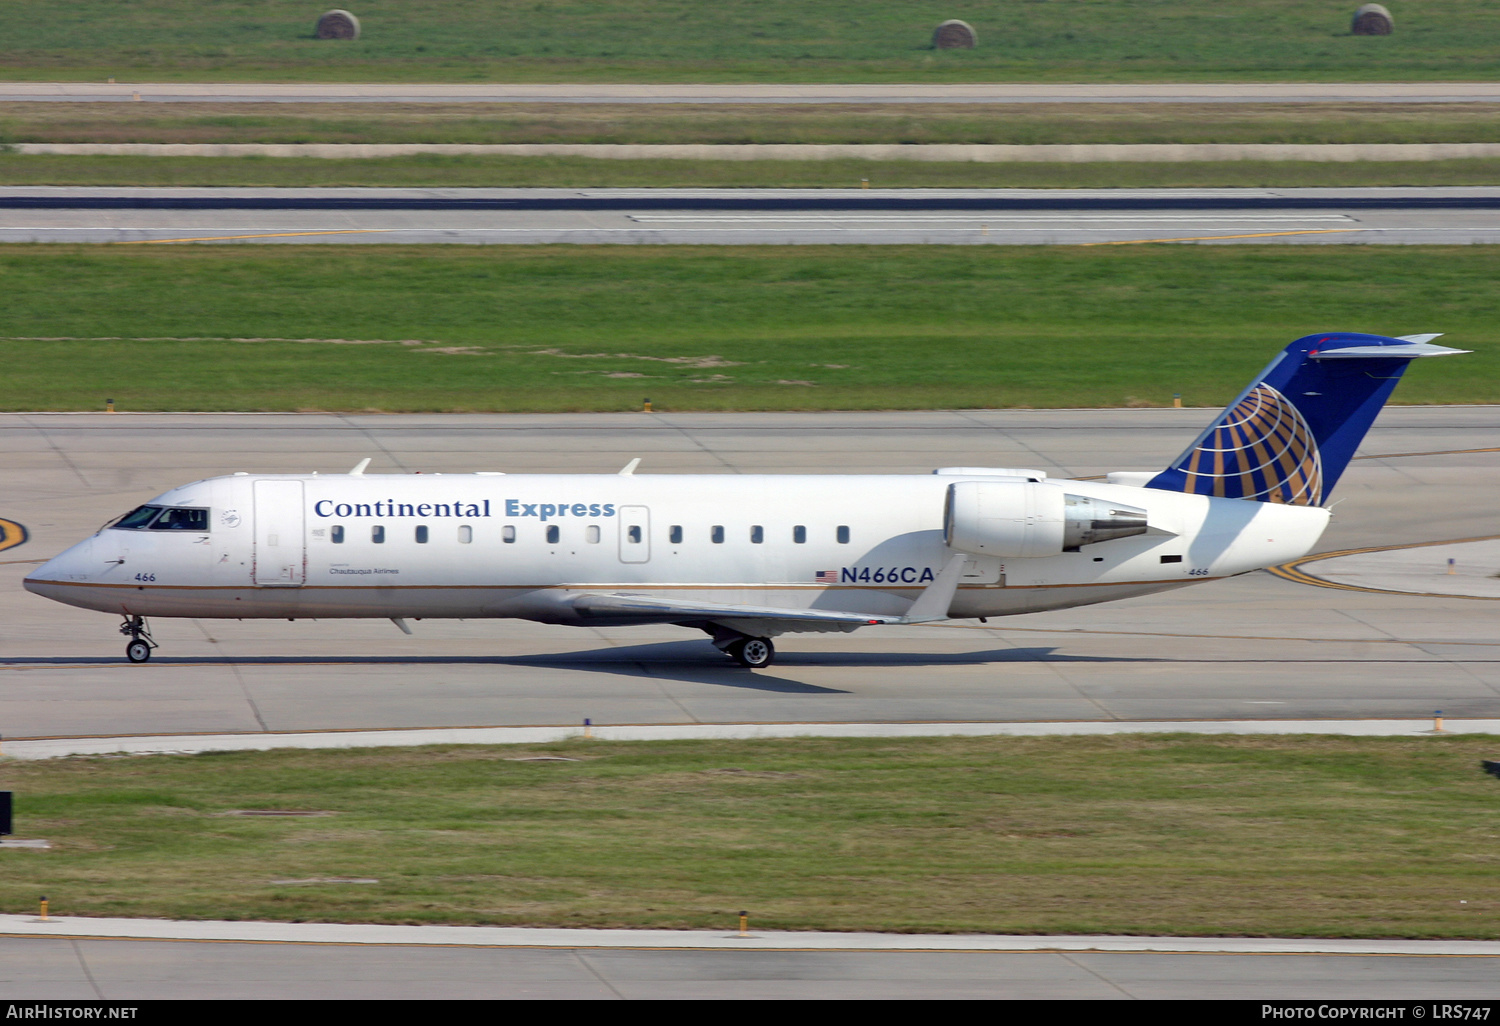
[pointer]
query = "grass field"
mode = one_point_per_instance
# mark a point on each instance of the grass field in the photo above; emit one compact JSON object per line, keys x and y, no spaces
{"x":1282,"y":836}
{"x":442,"y":171}
{"x":542,"y":328}
{"x":1020,"y":124}
{"x":743,"y":40}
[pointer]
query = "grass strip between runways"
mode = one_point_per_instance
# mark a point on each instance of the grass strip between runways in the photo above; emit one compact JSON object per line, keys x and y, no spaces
{"x":586,"y":328}
{"x":1131,"y":834}
{"x":494,"y":172}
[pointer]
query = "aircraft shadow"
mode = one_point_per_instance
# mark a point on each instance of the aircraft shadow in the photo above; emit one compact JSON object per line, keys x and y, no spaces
{"x":689,"y":661}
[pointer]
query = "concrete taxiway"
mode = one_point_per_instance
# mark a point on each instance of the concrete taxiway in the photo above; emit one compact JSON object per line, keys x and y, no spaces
{"x":122,"y":959}
{"x":1256,"y":647}
{"x":66,"y":968}
{"x":751,"y":216}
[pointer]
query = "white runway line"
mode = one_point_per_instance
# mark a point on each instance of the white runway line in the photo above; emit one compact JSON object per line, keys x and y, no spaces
{"x":537,"y":937}
{"x":1007,"y":219}
{"x":189,"y":744}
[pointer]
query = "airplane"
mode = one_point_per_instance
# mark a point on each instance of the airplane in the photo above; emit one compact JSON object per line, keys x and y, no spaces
{"x":748,"y":558}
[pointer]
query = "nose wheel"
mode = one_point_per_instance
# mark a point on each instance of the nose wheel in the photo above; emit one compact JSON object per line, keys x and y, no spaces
{"x":753,"y":652}
{"x":141,"y":643}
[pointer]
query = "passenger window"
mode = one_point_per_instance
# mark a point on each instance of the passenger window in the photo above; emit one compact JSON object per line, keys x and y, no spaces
{"x":508,"y":534}
{"x":336,"y":534}
{"x":633,"y":533}
{"x":674,"y":534}
{"x":843,"y":536}
{"x":466,"y":534}
{"x":421,"y":534}
{"x":175,"y":519}
{"x":799,"y":535}
{"x":591,"y":534}
{"x":716,"y":534}
{"x":377,"y":534}
{"x":553,"y":535}
{"x":757,"y":534}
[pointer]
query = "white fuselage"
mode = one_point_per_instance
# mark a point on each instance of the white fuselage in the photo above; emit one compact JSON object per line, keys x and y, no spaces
{"x":306,"y":546}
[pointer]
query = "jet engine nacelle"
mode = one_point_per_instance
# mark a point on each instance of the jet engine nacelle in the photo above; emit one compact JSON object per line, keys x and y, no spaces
{"x":1016,"y":519}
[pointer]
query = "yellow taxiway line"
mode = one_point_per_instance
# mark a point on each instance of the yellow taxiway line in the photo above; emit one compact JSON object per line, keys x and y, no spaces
{"x":1293,"y":571}
{"x":1213,"y":238}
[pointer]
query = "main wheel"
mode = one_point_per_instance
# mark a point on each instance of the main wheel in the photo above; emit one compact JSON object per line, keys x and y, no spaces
{"x":753,"y":652}
{"x":137,"y":651}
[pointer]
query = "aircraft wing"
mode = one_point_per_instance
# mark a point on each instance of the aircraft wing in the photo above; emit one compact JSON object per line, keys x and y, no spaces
{"x":931,"y":604}
{"x":760,"y":621}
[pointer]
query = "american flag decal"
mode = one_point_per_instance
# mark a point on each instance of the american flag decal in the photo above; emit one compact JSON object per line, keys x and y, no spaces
{"x":828,"y":577}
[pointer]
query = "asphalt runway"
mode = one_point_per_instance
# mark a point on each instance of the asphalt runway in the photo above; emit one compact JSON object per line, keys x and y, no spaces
{"x":1255,"y":647}
{"x":749,"y":217}
{"x":1000,"y":92}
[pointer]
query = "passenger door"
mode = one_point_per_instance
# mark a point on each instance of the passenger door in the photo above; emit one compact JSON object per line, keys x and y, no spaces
{"x":280,"y":558}
{"x":635,"y":534}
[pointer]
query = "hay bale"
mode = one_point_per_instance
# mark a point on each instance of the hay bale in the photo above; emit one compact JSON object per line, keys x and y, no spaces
{"x":1372,"y":20}
{"x":954,"y":35}
{"x":338,"y":25}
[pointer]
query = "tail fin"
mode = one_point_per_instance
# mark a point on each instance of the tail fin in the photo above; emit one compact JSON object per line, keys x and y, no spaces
{"x":1289,"y":436}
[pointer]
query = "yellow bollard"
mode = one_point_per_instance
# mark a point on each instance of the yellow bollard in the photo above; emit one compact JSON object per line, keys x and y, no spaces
{"x":864,"y":183}
{"x":1437,"y":721}
{"x":109,"y":406}
{"x":645,"y":405}
{"x":44,"y":908}
{"x":1176,"y":400}
{"x":744,"y":924}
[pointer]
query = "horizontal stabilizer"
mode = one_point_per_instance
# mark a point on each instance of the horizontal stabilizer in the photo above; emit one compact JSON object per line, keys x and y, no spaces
{"x":1410,"y":351}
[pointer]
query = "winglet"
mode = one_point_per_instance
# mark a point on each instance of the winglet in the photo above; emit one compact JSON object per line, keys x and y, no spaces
{"x":628,"y":470}
{"x":401,"y":622}
{"x":935,"y":599}
{"x":359,"y":468}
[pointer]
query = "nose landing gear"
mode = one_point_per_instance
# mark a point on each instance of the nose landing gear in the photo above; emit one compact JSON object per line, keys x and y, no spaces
{"x":141,"y":642}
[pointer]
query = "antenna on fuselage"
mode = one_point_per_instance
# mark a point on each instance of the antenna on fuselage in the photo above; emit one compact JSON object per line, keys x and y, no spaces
{"x":359,"y":468}
{"x":628,"y":470}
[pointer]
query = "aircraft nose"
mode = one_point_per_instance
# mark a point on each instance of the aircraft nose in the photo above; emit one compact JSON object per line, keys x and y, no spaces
{"x":74,"y":564}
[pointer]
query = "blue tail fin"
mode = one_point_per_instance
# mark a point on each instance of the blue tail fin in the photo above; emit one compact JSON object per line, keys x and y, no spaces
{"x":1289,"y":436}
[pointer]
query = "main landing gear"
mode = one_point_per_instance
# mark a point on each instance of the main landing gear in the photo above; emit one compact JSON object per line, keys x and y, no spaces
{"x":755,"y":653}
{"x":141,"y":643}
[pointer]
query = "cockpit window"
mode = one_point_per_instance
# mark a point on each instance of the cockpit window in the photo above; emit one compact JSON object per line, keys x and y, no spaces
{"x":178,"y":518}
{"x":163,"y":518}
{"x":137,"y":518}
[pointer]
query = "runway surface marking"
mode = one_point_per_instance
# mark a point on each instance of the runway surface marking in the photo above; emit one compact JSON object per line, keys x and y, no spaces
{"x":1214,"y":238}
{"x":188,"y":743}
{"x":223,"y":238}
{"x":1435,"y":452}
{"x":11,"y":535}
{"x":1209,"y":637}
{"x":1292,"y":571}
{"x":260,"y":931}
{"x":999,"y":218}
